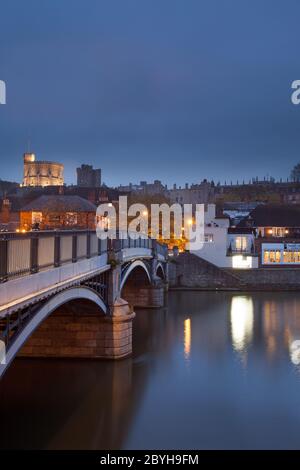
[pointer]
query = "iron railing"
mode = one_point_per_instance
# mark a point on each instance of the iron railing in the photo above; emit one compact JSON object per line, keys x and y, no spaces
{"x":27,"y":253}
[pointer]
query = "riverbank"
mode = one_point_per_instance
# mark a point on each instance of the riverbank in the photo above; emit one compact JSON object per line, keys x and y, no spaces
{"x":189,"y":272}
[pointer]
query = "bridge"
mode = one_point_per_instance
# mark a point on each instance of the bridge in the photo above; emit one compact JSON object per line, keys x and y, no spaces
{"x":71,"y":294}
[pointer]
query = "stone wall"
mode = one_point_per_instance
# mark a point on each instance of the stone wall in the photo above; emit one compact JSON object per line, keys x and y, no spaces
{"x":85,"y":335}
{"x":190,"y":271}
{"x":270,"y":278}
{"x":144,"y":296}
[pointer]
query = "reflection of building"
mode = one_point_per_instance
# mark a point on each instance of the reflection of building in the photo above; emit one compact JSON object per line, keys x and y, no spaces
{"x":88,"y":177}
{"x":58,"y":212}
{"x":40,"y":173}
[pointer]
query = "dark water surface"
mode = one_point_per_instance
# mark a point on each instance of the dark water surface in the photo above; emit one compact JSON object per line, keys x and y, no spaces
{"x":213,"y":370}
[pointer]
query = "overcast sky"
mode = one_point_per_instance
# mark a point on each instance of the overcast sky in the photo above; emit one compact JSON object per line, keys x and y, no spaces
{"x":177,"y":90}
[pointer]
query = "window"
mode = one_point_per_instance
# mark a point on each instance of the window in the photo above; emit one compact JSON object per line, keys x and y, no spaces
{"x":272,"y":256}
{"x":71,"y":218}
{"x":208,"y":238}
{"x":241,"y":243}
{"x":291,"y":256}
{"x":36,"y":217}
{"x":276,"y":231}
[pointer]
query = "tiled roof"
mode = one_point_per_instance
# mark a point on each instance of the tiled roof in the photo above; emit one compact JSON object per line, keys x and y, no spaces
{"x":273,"y":215}
{"x":59,"y":203}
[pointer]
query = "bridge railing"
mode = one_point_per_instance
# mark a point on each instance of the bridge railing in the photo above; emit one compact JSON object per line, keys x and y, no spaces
{"x":120,"y":243}
{"x":30,"y":252}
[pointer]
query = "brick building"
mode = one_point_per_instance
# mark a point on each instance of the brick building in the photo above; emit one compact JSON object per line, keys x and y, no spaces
{"x":58,"y":212}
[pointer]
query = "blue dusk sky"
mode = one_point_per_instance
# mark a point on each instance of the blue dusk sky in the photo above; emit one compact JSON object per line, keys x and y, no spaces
{"x":176,"y":90}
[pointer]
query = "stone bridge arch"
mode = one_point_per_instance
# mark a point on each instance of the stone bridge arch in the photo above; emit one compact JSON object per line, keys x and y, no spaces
{"x":160,"y":271}
{"x":141,"y":286}
{"x":132,"y":268}
{"x":51,"y":334}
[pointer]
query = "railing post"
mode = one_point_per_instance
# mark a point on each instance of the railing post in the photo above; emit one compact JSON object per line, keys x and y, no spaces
{"x":57,"y":250}
{"x":34,"y":247}
{"x":74,"y":248}
{"x":88,"y":244}
{"x":3,"y":259}
{"x":99,"y":247}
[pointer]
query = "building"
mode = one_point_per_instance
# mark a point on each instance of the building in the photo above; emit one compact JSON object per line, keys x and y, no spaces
{"x":42,"y":173}
{"x":147,"y":189}
{"x":214,"y":247}
{"x":277,"y":234}
{"x":58,"y":212}
{"x":241,"y":252}
{"x":203,"y":193}
{"x":225,"y":246}
{"x":88,"y":177}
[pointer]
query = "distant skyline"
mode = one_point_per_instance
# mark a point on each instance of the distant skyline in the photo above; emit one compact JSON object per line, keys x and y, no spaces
{"x":170,"y":90}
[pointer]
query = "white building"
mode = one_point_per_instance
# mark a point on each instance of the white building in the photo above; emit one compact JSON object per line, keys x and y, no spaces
{"x":224,"y":246}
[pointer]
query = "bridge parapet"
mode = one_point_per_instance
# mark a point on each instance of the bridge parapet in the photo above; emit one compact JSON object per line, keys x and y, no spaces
{"x":27,"y":253}
{"x":39,"y":271}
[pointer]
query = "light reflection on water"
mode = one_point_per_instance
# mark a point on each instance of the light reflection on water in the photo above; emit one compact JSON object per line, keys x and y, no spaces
{"x":187,"y":337}
{"x":183,"y":388}
{"x":242,"y":320}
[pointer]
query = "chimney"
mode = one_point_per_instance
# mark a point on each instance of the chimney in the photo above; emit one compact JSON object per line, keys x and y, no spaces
{"x":5,"y":213}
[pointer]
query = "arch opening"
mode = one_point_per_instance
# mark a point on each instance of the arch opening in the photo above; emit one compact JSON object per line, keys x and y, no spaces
{"x":136,"y":274}
{"x":55,"y":322}
{"x":160,"y":272}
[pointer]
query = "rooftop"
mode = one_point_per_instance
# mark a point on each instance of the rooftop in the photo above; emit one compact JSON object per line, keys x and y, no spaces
{"x":273,"y":215}
{"x":59,"y":203}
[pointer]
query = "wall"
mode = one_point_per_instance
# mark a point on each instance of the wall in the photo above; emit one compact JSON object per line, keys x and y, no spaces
{"x":189,"y":271}
{"x":215,"y":252}
{"x":144,"y":296}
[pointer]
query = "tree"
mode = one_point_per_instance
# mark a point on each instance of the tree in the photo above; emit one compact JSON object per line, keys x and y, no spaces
{"x":295,"y":173}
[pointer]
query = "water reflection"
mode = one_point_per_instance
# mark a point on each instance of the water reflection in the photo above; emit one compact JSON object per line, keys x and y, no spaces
{"x":242,"y":320}
{"x":187,"y":338}
{"x":150,"y":401}
{"x":295,"y":352}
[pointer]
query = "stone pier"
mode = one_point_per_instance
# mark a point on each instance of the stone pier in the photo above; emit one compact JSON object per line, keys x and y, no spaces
{"x":144,"y":296}
{"x":84,"y":334}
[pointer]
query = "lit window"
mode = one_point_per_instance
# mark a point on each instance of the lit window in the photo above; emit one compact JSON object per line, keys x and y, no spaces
{"x":36,"y":217}
{"x":272,"y":256}
{"x":71,"y":218}
{"x":241,"y":243}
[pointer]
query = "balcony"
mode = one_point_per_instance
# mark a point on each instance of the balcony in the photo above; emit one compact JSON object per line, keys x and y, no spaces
{"x":241,"y":251}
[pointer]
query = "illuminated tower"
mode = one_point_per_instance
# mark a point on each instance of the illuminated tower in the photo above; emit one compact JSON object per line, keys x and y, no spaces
{"x":42,"y":173}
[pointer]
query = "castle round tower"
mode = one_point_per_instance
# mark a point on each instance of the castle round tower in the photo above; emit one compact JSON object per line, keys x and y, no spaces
{"x":42,"y":173}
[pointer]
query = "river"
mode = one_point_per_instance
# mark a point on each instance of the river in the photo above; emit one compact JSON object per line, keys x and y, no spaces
{"x":210,"y":371}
